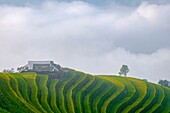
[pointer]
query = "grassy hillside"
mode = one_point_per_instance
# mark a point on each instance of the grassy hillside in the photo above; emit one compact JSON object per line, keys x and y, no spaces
{"x":80,"y":93}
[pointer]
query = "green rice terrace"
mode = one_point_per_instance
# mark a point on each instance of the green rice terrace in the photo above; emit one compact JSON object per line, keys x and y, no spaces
{"x":78,"y":92}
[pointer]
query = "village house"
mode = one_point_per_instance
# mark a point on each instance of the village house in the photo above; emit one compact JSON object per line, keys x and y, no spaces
{"x":54,"y":71}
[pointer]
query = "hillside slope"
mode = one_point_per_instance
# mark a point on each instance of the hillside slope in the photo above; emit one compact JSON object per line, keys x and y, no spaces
{"x":80,"y":93}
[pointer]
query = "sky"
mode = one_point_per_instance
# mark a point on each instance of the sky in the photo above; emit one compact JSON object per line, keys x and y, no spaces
{"x":93,"y":36}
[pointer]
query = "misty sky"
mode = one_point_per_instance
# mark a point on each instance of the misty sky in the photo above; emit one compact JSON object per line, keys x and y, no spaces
{"x":93,"y":36}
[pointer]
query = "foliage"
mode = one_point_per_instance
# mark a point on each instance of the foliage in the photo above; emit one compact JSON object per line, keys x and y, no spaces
{"x":165,"y":83}
{"x":20,"y":69}
{"x":124,"y":70}
{"x":81,"y":93}
{"x":8,"y":70}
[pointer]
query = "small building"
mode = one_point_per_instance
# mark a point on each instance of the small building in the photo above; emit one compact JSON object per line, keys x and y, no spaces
{"x":54,"y":71}
{"x":42,"y":66}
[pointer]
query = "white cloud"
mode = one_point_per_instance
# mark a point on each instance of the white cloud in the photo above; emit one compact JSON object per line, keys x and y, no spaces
{"x":87,"y":37}
{"x":151,"y":66}
{"x":158,"y":14}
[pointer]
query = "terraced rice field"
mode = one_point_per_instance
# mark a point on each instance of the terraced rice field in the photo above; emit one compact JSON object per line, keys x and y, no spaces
{"x":77,"y":92}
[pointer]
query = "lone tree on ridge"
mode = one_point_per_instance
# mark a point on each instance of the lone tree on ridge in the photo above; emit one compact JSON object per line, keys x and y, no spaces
{"x":124,"y":70}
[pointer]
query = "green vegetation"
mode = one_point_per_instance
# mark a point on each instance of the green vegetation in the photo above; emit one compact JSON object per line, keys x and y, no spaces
{"x":30,"y":78}
{"x":119,"y":86}
{"x":80,"y":93}
{"x":42,"y":88}
{"x":52,"y":91}
{"x":165,"y":83}
{"x":124,"y":70}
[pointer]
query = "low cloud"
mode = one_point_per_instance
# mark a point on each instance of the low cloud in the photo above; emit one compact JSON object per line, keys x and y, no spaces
{"x":87,"y":37}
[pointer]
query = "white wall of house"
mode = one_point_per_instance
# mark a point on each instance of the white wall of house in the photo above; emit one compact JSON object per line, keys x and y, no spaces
{"x":31,"y":63}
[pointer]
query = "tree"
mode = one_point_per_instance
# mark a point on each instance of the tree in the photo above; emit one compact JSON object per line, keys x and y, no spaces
{"x":145,"y":80}
{"x":20,"y":69}
{"x":164,"y":83}
{"x":8,"y":70}
{"x":124,"y":70}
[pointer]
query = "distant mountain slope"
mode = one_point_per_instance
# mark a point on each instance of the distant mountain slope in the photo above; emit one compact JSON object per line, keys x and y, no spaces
{"x":80,"y":93}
